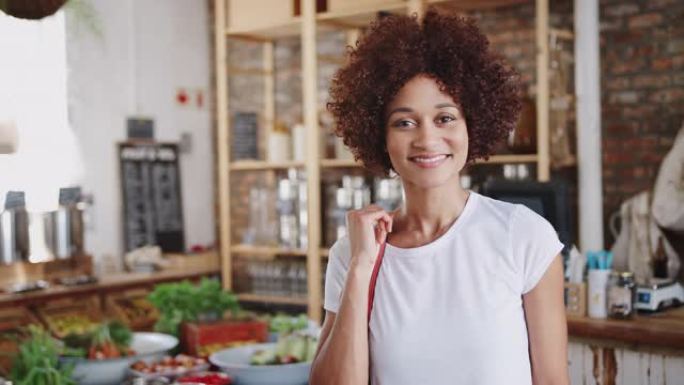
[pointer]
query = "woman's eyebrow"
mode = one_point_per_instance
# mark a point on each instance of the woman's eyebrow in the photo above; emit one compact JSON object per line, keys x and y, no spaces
{"x":443,"y":105}
{"x":399,"y":109}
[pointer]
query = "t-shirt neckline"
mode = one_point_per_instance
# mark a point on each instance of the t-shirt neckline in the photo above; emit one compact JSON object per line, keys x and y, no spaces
{"x":420,"y":250}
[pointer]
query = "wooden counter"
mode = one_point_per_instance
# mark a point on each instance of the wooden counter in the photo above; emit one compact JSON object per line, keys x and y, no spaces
{"x":106,"y":284}
{"x":660,"y":330}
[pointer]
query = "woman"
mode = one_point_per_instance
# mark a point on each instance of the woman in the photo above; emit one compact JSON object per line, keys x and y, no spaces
{"x":469,"y":290}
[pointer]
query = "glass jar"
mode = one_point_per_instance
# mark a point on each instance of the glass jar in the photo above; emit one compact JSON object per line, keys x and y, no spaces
{"x":621,"y":295}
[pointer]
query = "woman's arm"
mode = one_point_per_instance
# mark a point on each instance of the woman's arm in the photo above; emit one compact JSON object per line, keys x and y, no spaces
{"x":342,"y":356}
{"x":547,"y":328}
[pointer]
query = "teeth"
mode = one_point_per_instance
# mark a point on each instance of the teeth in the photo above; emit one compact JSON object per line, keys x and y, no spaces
{"x":432,"y":159}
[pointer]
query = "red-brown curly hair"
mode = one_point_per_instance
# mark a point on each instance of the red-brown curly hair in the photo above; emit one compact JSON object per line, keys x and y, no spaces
{"x":448,"y":48}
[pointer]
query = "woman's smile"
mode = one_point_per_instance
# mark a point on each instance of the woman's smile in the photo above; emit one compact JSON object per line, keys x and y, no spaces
{"x":429,"y":160}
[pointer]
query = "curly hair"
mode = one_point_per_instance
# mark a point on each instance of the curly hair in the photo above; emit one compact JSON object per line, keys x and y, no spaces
{"x":448,"y":48}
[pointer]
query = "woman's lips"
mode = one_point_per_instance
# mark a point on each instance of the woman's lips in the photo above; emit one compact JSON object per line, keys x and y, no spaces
{"x":429,"y":161}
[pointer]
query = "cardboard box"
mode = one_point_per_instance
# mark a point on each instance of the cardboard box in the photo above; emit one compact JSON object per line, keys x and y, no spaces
{"x":204,"y":338}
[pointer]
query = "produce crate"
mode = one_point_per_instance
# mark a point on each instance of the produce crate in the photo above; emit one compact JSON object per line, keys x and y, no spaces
{"x":12,"y":324}
{"x":132,"y":308}
{"x":78,"y":315}
{"x":204,"y":338}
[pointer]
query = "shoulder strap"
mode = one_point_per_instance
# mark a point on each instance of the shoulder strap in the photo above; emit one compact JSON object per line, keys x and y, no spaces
{"x":374,"y":278}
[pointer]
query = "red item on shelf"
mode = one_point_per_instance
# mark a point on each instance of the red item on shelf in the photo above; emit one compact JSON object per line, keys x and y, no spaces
{"x":204,"y":338}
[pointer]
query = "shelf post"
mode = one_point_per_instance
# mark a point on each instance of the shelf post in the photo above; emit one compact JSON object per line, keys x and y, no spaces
{"x":223,"y":141}
{"x":310,"y":112}
{"x":542,"y":37}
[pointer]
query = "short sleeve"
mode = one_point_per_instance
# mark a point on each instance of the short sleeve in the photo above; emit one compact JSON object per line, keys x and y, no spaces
{"x":336,"y":274}
{"x":534,"y":244}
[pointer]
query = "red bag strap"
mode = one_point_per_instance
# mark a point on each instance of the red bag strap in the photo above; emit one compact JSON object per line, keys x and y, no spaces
{"x":374,"y":278}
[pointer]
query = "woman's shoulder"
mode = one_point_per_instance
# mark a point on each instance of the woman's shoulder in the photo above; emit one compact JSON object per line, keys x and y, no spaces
{"x":494,"y":209}
{"x":509,"y":217}
{"x":340,"y":251}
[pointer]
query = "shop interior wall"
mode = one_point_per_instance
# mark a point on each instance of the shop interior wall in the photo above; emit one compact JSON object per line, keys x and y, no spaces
{"x":140,"y":54}
{"x":642,"y":82}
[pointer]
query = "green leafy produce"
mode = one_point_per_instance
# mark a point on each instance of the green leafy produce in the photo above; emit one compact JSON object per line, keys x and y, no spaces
{"x":283,"y":323}
{"x":264,"y":357}
{"x":107,"y":340}
{"x":37,"y":361}
{"x":182,"y":301}
{"x":291,"y":348}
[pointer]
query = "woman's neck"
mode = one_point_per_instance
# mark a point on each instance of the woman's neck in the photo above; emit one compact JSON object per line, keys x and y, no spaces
{"x":428,"y":213}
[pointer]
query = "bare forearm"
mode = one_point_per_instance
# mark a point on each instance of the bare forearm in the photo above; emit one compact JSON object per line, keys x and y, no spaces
{"x":343,"y":359}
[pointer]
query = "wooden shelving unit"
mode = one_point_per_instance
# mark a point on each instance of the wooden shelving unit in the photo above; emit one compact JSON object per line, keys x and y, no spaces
{"x":256,"y":165}
{"x":265,"y":250}
{"x":305,"y":26}
{"x":273,"y":299}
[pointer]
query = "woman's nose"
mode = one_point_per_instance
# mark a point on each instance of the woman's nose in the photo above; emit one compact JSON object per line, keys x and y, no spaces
{"x":427,"y":134}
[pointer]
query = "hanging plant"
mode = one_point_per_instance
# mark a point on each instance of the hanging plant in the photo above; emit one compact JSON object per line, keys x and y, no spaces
{"x":31,"y":9}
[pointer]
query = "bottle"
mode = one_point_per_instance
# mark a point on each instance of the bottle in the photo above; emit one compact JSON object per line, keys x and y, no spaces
{"x":659,"y":261}
{"x":621,"y":295}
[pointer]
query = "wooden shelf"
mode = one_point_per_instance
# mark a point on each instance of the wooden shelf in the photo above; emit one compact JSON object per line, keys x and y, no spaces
{"x":265,"y":250}
{"x":339,"y":163}
{"x":289,"y":28}
{"x":251,"y":165}
{"x":503,"y":159}
{"x":353,"y":18}
{"x":247,"y":297}
{"x":470,"y":5}
{"x":359,"y":17}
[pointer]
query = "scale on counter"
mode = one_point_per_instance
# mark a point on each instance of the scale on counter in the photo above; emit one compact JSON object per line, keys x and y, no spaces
{"x":659,"y":295}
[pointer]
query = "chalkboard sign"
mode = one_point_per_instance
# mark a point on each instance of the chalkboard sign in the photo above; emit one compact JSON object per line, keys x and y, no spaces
{"x":153,"y":210}
{"x":244,"y":135}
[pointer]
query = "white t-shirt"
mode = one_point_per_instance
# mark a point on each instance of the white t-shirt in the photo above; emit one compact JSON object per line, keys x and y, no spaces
{"x":450,"y":312}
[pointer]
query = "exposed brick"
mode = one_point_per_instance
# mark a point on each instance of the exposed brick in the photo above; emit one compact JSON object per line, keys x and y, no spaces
{"x":624,"y":97}
{"x":645,"y":20}
{"x":619,"y":10}
{"x":667,"y":95}
{"x":651,"y":81}
{"x":618,"y":83}
{"x":657,"y":4}
{"x":661,"y":64}
{"x":675,"y":46}
{"x":611,"y":25}
{"x":639,"y":111}
{"x":616,"y":157}
{"x":628,"y":66}
{"x":635,"y":51}
{"x":678,"y":79}
{"x":622,"y":129}
{"x":678,"y":62}
{"x":627,"y":36}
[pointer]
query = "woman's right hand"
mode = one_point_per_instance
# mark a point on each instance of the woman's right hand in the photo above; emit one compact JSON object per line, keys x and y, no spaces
{"x":367,"y":229}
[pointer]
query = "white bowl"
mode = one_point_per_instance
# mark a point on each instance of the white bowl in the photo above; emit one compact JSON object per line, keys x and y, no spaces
{"x":235,"y":362}
{"x":147,"y":346}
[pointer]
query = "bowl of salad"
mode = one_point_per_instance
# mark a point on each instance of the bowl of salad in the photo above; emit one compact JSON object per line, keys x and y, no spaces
{"x":286,"y":362}
{"x":102,"y":357}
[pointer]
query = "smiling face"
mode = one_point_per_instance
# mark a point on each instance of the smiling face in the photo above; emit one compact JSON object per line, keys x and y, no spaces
{"x":426,"y":134}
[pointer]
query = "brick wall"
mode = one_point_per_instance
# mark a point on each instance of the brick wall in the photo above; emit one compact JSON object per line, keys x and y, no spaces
{"x":642,"y":85}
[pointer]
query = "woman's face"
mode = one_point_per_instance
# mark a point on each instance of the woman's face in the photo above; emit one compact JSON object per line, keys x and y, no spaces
{"x":427,"y":137}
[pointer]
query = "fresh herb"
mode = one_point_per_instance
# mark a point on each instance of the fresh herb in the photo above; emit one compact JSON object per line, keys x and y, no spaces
{"x":37,"y":361}
{"x":283,"y":323}
{"x":108,"y":340}
{"x":182,"y":301}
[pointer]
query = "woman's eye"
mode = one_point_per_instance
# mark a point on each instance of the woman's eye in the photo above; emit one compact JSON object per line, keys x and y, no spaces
{"x":403,"y":123}
{"x":445,"y":119}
